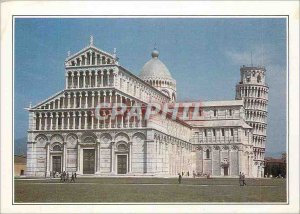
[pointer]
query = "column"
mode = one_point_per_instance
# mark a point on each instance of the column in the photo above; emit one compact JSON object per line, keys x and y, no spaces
{"x":109,"y":97}
{"x":67,"y":77}
{"x":72,"y":80}
{"x":130,"y":157}
{"x":56,"y":120}
{"x":101,"y":76}
{"x":51,"y":120}
{"x":85,"y":120}
{"x":63,"y":101}
{"x":109,"y":119}
{"x":80,"y":98}
{"x":65,"y":156}
{"x":78,"y":158}
{"x":78,"y":76}
{"x":74,"y":119}
{"x":74,"y":100}
{"x":68,"y":120}
{"x":140,"y":119}
{"x":90,"y":58}
{"x":114,"y":79}
{"x":86,"y":99}
{"x":62,"y":120}
{"x":127,"y":121}
{"x":93,"y":99}
{"x":122,"y":123}
{"x":48,"y":158}
{"x":104,"y":96}
{"x":96,"y":79}
{"x":112,"y":157}
{"x":79,"y":120}
{"x":107,"y":74}
{"x":99,"y":98}
{"x":92,"y":115}
{"x":69,"y":99}
{"x":98,"y":157}
{"x":83,"y":80}
{"x":45,"y":121}
{"x":40,"y":121}
{"x":90,"y":79}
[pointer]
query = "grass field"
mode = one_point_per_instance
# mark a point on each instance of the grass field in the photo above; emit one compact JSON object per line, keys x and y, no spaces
{"x":125,"y":190}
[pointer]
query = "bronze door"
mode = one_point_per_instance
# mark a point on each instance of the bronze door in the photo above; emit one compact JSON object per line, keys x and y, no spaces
{"x":56,"y":164}
{"x":88,"y":161}
{"x":122,"y":164}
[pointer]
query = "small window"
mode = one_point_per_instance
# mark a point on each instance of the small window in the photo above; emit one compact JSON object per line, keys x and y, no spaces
{"x":245,"y":132}
{"x":200,"y":112}
{"x":223,"y":132}
{"x":214,"y":132}
{"x":230,"y":112}
{"x":205,"y":132}
{"x":207,"y":154}
{"x":258,"y":78}
{"x":215,"y":113}
{"x":56,"y":148}
{"x":231,"y":132}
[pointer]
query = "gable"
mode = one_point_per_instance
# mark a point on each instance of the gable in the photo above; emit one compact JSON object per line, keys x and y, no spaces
{"x":90,"y":56}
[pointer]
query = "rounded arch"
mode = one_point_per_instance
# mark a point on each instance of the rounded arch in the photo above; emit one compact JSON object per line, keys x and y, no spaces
{"x":88,"y":134}
{"x":121,"y":136}
{"x":105,"y":137}
{"x":56,"y":138}
{"x":139,"y":135}
{"x":41,"y":137}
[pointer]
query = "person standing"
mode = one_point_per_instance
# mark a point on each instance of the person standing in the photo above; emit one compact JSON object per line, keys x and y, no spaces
{"x":243,"y":179}
{"x":179,"y":178}
{"x":75,"y":175}
{"x":240,"y":179}
{"x":72,"y":178}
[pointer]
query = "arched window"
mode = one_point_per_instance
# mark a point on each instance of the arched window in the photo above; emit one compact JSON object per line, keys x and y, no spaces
{"x":56,"y":148}
{"x":207,"y":154}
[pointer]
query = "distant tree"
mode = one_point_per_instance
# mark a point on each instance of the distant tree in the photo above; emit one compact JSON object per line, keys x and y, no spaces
{"x":283,"y":156}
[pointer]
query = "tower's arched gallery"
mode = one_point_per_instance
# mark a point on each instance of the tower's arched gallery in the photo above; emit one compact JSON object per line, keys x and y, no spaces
{"x":79,"y":129}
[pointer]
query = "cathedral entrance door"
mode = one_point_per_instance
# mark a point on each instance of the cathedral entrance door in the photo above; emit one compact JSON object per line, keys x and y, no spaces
{"x":122,"y":164}
{"x":56,"y":164}
{"x":88,"y":161}
{"x":225,"y":170}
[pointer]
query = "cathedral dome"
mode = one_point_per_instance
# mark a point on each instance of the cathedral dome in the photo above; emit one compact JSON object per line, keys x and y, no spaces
{"x":154,"y":68}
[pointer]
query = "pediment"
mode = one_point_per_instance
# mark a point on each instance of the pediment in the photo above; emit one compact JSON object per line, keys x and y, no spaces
{"x":93,"y":53}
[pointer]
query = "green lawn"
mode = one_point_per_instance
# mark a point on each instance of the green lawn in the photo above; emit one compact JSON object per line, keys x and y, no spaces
{"x":150,"y":190}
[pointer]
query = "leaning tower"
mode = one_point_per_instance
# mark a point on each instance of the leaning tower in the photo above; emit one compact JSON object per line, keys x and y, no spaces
{"x":253,"y":89}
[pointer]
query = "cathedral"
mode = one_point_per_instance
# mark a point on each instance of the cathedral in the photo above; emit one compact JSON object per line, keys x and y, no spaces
{"x":110,"y":122}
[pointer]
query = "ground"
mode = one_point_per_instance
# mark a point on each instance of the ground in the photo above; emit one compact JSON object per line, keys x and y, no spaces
{"x":149,"y":190}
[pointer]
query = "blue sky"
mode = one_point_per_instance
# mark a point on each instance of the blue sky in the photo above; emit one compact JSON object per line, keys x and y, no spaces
{"x":203,"y":54}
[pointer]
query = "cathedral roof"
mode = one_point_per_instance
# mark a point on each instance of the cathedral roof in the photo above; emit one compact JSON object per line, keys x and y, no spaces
{"x":154,"y":68}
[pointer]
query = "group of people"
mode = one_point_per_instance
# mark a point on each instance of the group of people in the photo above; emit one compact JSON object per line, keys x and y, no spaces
{"x":65,"y":177}
{"x":241,"y":178}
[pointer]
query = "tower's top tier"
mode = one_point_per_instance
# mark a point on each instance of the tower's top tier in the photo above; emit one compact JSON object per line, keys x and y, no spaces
{"x":253,"y":75}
